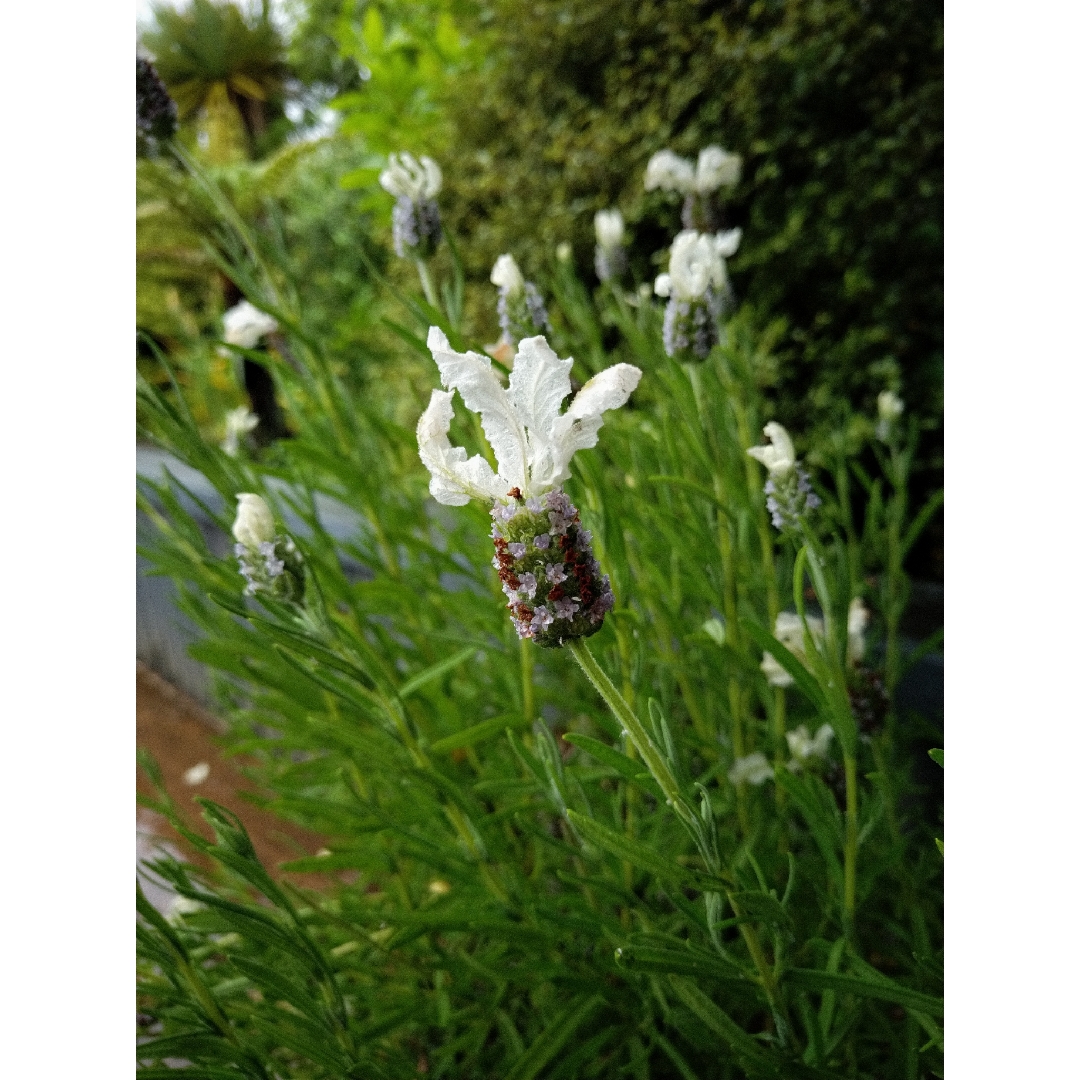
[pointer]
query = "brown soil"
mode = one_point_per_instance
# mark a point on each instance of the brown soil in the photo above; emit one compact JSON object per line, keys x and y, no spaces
{"x":179,"y":734}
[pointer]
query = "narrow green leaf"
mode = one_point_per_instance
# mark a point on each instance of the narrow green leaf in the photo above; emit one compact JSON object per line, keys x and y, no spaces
{"x":470,"y":736}
{"x":641,"y":855}
{"x":697,"y":963}
{"x":436,"y":671}
{"x":938,"y":756}
{"x":624,"y":766}
{"x":553,"y":1038}
{"x":809,"y":979}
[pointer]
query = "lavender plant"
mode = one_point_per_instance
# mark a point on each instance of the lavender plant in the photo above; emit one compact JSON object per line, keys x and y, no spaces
{"x":669,"y":842}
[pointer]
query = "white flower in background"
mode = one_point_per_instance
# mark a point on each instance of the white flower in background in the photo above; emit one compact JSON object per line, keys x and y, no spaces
{"x":197,"y":774}
{"x":417,"y":225}
{"x":752,"y":769}
{"x":269,"y":563}
{"x":254,"y":523}
{"x":609,"y":228}
{"x":697,"y":287}
{"x":245,"y":324}
{"x":779,"y":457}
{"x":697,"y":263}
{"x":521,"y":307}
{"x":857,"y":619}
{"x":532,"y":440}
{"x":669,"y":172}
{"x":238,"y":423}
{"x":406,"y":178}
{"x":610,"y":257}
{"x":179,"y":906}
{"x":890,"y":407}
{"x":564,"y":252}
{"x":507,"y":275}
{"x":803,"y":746}
{"x":789,"y":632}
{"x":788,"y":492}
{"x":716,"y":168}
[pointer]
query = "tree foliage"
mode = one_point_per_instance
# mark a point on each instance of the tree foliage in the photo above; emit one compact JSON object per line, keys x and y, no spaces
{"x":836,"y":108}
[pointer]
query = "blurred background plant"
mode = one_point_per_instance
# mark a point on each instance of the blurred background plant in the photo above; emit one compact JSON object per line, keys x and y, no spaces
{"x":514,"y":897}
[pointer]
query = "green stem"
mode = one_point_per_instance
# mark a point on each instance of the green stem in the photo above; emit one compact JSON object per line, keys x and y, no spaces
{"x":738,"y":745}
{"x":641,"y":739}
{"x":852,"y":841}
{"x":662,"y":774}
{"x":528,"y":703}
{"x":426,"y":283}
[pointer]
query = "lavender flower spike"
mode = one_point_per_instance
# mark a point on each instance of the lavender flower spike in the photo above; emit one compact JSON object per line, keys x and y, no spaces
{"x":269,"y":563}
{"x":553,"y":582}
{"x":788,"y":492}
{"x":521,"y":307}
{"x":417,"y":226}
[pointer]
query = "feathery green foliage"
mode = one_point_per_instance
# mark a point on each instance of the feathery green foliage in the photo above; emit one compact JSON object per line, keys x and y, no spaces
{"x":517,"y":903}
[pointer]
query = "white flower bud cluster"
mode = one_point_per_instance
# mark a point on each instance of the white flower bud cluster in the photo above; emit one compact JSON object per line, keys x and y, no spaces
{"x":698,"y":291}
{"x":417,"y":225}
{"x":788,"y":490}
{"x":610,"y":254}
{"x":238,"y":423}
{"x":245,"y":325}
{"x":521,"y":307}
{"x":269,"y":563}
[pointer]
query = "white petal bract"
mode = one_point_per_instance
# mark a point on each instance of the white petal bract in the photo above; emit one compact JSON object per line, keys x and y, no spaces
{"x":455,"y":477}
{"x":532,"y":440}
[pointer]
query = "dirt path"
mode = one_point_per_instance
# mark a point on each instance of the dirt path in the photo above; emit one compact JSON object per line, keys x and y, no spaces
{"x":180,"y":735}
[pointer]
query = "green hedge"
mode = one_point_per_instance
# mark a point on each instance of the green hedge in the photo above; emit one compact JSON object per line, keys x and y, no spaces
{"x":836,"y":108}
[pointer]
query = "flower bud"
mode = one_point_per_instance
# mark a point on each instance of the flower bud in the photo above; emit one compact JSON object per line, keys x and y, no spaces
{"x":245,"y":324}
{"x":507,"y":275}
{"x":254,"y":523}
{"x":889,"y":405}
{"x":752,"y":769}
{"x":521,"y":308}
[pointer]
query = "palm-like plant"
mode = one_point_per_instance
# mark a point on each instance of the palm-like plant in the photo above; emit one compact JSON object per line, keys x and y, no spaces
{"x":224,"y":69}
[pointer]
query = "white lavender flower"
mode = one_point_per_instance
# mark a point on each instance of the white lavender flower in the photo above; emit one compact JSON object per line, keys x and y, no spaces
{"x":245,"y":324}
{"x":789,"y":495}
{"x":669,"y":172}
{"x":238,"y":423}
{"x":417,"y":226}
{"x":521,"y":308}
{"x":890,"y":408}
{"x":543,"y":556}
{"x":698,"y":291}
{"x":752,"y":769}
{"x":610,"y":254}
{"x":269,"y":562}
{"x":716,"y":168}
{"x":789,"y":631}
{"x":254,"y":520}
{"x":533,"y":441}
{"x":803,"y":746}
